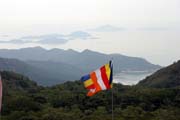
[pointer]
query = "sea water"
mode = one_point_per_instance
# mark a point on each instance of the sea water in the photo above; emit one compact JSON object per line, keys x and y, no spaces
{"x":130,"y":77}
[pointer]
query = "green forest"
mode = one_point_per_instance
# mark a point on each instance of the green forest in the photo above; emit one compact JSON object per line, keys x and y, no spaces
{"x":23,"y":99}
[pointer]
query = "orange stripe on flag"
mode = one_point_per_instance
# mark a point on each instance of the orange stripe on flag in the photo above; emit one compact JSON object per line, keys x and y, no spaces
{"x":94,"y":79}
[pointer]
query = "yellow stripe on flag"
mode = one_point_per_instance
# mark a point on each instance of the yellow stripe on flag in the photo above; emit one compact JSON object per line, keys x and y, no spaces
{"x":108,"y":70}
{"x":88,"y":83}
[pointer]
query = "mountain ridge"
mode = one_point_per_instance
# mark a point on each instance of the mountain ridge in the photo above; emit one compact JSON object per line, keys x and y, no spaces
{"x":49,"y":67}
{"x":87,"y":59}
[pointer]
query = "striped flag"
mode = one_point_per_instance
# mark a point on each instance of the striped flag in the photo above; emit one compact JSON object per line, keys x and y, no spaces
{"x":100,"y":79}
{"x":0,"y":93}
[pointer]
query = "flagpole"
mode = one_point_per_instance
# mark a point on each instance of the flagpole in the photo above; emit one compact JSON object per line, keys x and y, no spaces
{"x":112,"y":104}
{"x":112,"y":97}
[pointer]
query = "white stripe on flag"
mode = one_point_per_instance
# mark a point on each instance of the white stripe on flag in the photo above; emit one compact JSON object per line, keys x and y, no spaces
{"x":99,"y":79}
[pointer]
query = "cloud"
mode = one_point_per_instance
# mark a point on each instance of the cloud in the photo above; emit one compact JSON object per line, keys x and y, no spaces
{"x":107,"y":28}
{"x":4,"y":35}
{"x":155,"y":28}
{"x":43,"y":36}
{"x":14,"y":41}
{"x":51,"y":38}
{"x":110,"y":28}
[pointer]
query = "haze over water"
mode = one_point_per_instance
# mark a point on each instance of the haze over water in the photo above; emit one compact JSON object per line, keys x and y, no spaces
{"x":130,"y":78}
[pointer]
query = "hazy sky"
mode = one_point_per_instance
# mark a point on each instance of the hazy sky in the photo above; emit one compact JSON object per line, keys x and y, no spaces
{"x":151,"y":27}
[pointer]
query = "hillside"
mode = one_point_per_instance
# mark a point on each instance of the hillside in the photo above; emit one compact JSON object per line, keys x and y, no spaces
{"x":24,"y":100}
{"x":164,"y":78}
{"x":58,"y":71}
{"x":44,"y":72}
{"x":16,"y":82}
{"x":86,"y":60}
{"x":23,"y":68}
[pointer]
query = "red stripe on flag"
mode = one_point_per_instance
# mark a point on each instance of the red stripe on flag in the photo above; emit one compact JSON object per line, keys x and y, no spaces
{"x":92,"y":90}
{"x":104,"y":77}
{"x":90,"y":87}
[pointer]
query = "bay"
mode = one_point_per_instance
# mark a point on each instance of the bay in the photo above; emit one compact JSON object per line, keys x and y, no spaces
{"x":131,"y":77}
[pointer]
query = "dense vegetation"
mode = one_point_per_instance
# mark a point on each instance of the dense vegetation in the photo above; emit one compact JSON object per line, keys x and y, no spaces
{"x":25,"y":100}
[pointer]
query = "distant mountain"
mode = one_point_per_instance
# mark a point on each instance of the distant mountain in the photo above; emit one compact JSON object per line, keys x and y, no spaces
{"x":21,"y":67}
{"x":164,"y":78}
{"x":44,"y":72}
{"x":59,"y":72}
{"x":86,"y":61}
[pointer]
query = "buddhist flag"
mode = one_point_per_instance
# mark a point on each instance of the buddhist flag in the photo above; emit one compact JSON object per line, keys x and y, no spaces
{"x":0,"y":93}
{"x":100,"y":79}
